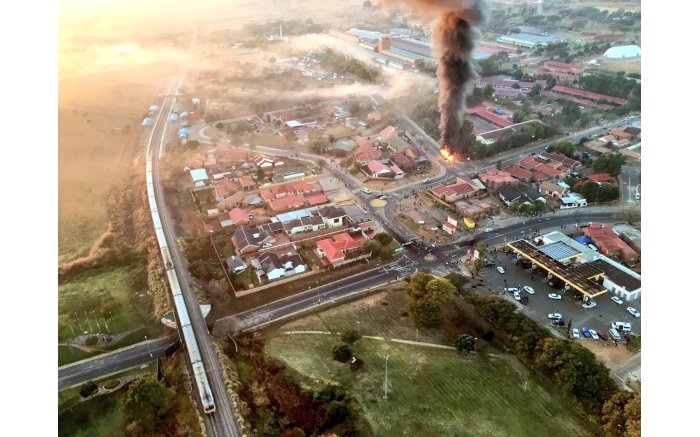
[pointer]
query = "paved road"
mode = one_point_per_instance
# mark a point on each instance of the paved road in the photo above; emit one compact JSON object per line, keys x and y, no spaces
{"x":630,"y":365}
{"x":117,"y":361}
{"x":316,"y":297}
{"x":630,"y":184}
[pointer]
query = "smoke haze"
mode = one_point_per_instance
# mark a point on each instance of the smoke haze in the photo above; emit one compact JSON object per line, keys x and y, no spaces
{"x":454,"y":34}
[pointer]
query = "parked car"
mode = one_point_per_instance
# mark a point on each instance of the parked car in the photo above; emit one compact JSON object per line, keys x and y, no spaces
{"x":633,"y":311}
{"x":489,"y":264}
{"x":617,"y":300}
{"x":614,"y":334}
{"x":382,"y":197}
{"x":590,"y":304}
{"x":621,"y":326}
{"x":488,"y":229}
{"x":366,"y":191}
{"x":516,"y":295}
{"x":558,"y":322}
{"x":426,"y":180}
{"x":554,"y":296}
{"x":586,"y":332}
{"x":511,"y":289}
{"x":501,"y":269}
{"x":529,"y":289}
{"x":602,"y":335}
{"x":594,"y":335}
{"x":574,"y":333}
{"x":554,"y":316}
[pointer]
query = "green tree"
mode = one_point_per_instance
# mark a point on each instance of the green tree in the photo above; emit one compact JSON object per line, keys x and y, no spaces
{"x":148,"y":403}
{"x":610,"y":163}
{"x":565,"y":148}
{"x":341,"y":352}
{"x":465,"y":343}
{"x":487,"y":91}
{"x":417,"y":284}
{"x":336,"y":412}
{"x":457,"y":280}
{"x":621,"y":414}
{"x":426,"y":313}
{"x":350,"y":336}
{"x":372,"y":246}
{"x":439,"y":289}
{"x":383,"y":238}
{"x":88,"y":389}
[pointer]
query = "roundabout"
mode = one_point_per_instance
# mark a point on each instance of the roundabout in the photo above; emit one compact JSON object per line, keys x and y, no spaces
{"x":377,"y":203}
{"x":430,"y":258}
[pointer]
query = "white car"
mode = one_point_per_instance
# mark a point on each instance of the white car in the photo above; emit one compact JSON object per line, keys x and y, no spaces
{"x":617,"y":300}
{"x":426,"y":180}
{"x":488,"y":229}
{"x":574,"y":333}
{"x":500,"y":269}
{"x":590,"y":304}
{"x":367,"y":191}
{"x":516,"y":295}
{"x":554,"y":296}
{"x":554,"y":316}
{"x":594,"y":335}
{"x":529,"y":289}
{"x":511,"y":289}
{"x":634,"y":312}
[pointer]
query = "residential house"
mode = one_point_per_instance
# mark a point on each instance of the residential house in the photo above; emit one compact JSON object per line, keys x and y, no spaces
{"x":573,"y":200}
{"x":246,"y":182}
{"x":235,"y":265}
{"x":300,"y":225}
{"x":564,"y":160}
{"x":336,"y":248}
{"x":461,"y":189}
{"x":386,"y":133}
{"x":377,"y":169}
{"x":238,"y":216}
{"x":519,"y":173}
{"x":374,"y":116}
{"x":248,"y":241}
{"x":225,"y":188}
{"x":620,"y":134}
{"x":396,"y":143}
{"x":411,"y":152}
{"x":287,"y":203}
{"x":600,"y":178}
{"x":316,"y":199}
{"x":533,"y":195}
{"x":554,"y":190}
{"x":609,"y":243}
{"x":495,"y":178}
{"x":510,"y":195}
{"x":398,"y":173}
{"x":218,"y":172}
{"x":274,"y":267}
{"x":199,"y":175}
{"x":403,"y":161}
{"x":332,"y":216}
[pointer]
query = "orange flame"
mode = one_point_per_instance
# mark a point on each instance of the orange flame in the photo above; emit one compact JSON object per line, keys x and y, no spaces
{"x":445,"y":152}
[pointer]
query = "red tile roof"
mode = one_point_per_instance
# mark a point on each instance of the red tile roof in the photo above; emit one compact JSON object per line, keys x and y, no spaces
{"x":608,"y":242}
{"x":246,"y":181}
{"x":287,"y":203}
{"x":587,"y":94}
{"x":331,"y":252}
{"x":518,"y":172}
{"x":600,"y":177}
{"x":238,"y":216}
{"x":317,"y":199}
{"x":493,"y":118}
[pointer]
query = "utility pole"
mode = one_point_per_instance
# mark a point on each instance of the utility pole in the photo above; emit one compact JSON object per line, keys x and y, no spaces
{"x":71,"y":329}
{"x":358,"y":327}
{"x":386,"y":376}
{"x":88,"y":320}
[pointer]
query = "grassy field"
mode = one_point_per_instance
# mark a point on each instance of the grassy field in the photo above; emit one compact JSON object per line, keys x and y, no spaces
{"x":434,"y":391}
{"x":98,"y":417}
{"x":67,"y":355}
{"x":431,"y":391}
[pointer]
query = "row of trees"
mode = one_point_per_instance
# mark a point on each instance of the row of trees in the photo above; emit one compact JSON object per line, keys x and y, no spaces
{"x":610,"y":163}
{"x":593,"y":192}
{"x":573,"y":368}
{"x":344,"y":64}
{"x":427,"y":296}
{"x":611,"y":85}
{"x":379,"y":245}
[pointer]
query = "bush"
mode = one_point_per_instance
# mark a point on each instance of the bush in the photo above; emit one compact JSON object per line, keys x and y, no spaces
{"x":350,"y":336}
{"x":88,"y":389}
{"x":336,"y":412}
{"x":356,"y":364}
{"x":488,"y":336}
{"x":342,"y":352}
{"x":91,"y":341}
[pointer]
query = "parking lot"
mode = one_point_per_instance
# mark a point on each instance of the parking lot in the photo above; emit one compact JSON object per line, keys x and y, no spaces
{"x":539,"y":305}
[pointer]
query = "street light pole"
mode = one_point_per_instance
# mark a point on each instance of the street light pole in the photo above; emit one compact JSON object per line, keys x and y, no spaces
{"x":386,"y":375}
{"x":145,"y":340}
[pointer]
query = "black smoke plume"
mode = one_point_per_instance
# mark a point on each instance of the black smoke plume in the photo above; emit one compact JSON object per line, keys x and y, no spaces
{"x":453,"y":38}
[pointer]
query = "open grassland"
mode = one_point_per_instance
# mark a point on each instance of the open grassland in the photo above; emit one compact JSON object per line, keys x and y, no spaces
{"x":434,"y":391}
{"x":101,"y":416}
{"x":99,"y":127}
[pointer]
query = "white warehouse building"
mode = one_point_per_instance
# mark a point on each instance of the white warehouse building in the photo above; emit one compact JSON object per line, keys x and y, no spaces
{"x":623,"y":52}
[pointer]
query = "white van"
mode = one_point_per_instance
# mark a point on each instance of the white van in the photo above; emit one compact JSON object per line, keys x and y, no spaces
{"x":622,"y":326}
{"x":614,"y":334}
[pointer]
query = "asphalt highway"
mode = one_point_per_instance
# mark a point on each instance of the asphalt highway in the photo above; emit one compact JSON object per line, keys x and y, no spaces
{"x":110,"y":363}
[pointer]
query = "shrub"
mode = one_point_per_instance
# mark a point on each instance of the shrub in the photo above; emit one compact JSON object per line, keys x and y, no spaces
{"x":91,"y":341}
{"x":356,"y":364}
{"x":342,"y":352}
{"x":336,"y":412}
{"x":88,"y":389}
{"x":350,"y":336}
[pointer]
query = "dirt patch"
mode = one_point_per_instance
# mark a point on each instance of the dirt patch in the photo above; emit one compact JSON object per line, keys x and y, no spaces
{"x":608,"y":353}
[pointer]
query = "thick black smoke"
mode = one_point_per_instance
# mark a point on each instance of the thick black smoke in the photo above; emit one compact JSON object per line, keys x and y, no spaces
{"x":453,"y":37}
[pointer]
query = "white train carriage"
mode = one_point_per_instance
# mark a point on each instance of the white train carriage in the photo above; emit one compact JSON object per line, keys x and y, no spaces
{"x":191,"y":343}
{"x":174,"y":284}
{"x":149,"y":189}
{"x":182,"y":310}
{"x":149,"y":168}
{"x":205,"y":395}
{"x":160,"y":235}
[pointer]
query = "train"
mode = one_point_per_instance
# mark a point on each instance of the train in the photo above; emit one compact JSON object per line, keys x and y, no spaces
{"x":195,"y":358}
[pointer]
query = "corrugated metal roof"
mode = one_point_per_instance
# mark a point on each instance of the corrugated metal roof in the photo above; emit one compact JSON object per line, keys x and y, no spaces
{"x":559,"y":251}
